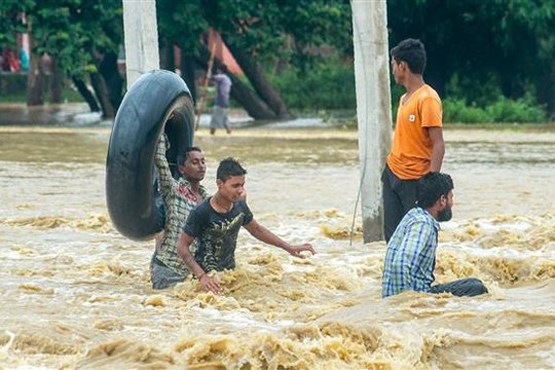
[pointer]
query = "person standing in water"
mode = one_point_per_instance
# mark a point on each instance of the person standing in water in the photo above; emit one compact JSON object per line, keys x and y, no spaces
{"x":216,"y":223}
{"x":220,"y":110}
{"x":418,"y":146}
{"x":180,"y":197}
{"x":411,"y":253}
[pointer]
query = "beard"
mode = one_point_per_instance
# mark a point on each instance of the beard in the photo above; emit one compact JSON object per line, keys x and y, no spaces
{"x":445,"y":214}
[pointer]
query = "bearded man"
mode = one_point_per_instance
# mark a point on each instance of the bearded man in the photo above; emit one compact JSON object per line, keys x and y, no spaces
{"x":411,"y":253}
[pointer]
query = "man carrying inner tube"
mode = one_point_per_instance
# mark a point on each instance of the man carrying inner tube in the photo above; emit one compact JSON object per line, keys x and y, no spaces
{"x":180,"y":197}
{"x":215,"y":224}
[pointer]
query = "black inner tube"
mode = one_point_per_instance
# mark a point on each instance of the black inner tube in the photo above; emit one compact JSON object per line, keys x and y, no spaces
{"x":130,"y":174}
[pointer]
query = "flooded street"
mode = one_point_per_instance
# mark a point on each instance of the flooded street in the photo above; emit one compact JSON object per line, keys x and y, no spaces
{"x":76,"y":294}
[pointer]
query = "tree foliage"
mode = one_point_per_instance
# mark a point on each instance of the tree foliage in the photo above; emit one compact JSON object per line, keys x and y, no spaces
{"x":75,"y":31}
{"x":506,"y":43}
{"x":182,"y":23}
{"x":477,"y":50}
{"x":264,"y":28}
{"x":11,"y":24}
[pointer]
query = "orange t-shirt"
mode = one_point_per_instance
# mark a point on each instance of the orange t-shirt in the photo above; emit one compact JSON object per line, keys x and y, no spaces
{"x":411,"y":150}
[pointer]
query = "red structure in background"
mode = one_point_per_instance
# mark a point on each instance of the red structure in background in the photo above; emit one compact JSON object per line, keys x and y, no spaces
{"x":9,"y":61}
{"x":221,"y":51}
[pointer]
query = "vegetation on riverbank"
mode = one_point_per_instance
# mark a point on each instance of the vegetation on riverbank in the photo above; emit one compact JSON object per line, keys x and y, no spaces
{"x":330,"y":85}
{"x":328,"y":90}
{"x":488,"y":64}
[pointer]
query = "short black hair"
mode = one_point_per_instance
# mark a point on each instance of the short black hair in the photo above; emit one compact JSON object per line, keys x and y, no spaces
{"x":431,"y":187}
{"x":229,"y":167}
{"x":412,"y":52}
{"x":183,"y":154}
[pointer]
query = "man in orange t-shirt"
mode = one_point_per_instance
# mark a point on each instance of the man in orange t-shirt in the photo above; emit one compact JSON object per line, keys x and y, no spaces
{"x":418,"y":146}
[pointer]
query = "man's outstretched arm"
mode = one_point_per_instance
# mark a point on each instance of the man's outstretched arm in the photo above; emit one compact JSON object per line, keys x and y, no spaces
{"x":264,"y":235}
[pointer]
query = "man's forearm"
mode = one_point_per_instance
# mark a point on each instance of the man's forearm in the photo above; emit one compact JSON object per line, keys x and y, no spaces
{"x":161,"y":162}
{"x":266,"y":236}
{"x":185,"y":254}
{"x":438,"y":151}
{"x":438,"y":148}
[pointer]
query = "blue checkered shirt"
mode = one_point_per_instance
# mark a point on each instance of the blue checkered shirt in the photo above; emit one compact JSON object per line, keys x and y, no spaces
{"x":411,"y":254}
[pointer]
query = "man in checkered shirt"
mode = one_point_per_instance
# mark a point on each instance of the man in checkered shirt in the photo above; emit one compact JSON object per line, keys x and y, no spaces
{"x":180,"y":197}
{"x":411,"y":253}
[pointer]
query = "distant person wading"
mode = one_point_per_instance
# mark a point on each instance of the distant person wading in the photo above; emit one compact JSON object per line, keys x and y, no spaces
{"x":221,"y":104}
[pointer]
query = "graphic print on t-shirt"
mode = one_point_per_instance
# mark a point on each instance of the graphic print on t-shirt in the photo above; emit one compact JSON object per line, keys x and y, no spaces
{"x":217,"y":246}
{"x":217,"y":234}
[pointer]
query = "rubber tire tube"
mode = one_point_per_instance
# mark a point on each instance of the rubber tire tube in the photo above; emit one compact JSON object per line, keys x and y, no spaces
{"x":131,"y":196}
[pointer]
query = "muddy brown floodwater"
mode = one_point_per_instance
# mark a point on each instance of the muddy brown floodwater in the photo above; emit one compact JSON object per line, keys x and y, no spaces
{"x":76,"y":294}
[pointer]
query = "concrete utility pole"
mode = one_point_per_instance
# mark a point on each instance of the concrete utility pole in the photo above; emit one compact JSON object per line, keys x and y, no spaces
{"x":141,"y":38}
{"x":373,"y":107}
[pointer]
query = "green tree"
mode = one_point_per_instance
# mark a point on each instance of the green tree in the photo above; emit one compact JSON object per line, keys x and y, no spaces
{"x":258,"y":34}
{"x":181,"y":23}
{"x":507,"y":43}
{"x":10,"y":11}
{"x":82,"y":36}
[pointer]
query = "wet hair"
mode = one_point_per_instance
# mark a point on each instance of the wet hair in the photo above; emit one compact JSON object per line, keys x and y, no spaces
{"x":229,"y":167}
{"x":184,"y":154}
{"x":412,"y":52}
{"x":431,"y":187}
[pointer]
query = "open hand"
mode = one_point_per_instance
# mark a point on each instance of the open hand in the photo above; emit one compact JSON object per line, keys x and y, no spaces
{"x":210,"y":284}
{"x":295,"y":250}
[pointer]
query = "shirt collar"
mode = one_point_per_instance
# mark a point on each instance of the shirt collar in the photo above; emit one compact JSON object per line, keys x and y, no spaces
{"x":436,"y":224}
{"x":202,"y":189}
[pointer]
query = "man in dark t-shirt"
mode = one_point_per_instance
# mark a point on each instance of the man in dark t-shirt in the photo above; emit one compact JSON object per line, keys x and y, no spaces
{"x":216,"y":223}
{"x":217,"y":234}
